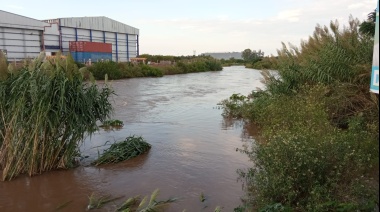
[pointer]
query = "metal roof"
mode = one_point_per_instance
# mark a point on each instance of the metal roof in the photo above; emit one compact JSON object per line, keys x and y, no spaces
{"x":12,"y":20}
{"x":100,"y":23}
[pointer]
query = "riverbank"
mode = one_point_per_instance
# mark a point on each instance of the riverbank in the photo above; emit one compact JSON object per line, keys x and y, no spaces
{"x":320,"y":127}
{"x":193,"y":148}
{"x":130,"y":70}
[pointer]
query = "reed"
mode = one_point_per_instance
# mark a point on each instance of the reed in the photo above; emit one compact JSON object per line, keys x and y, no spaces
{"x":135,"y":204}
{"x":131,"y":147}
{"x":98,"y":201}
{"x":46,"y":110}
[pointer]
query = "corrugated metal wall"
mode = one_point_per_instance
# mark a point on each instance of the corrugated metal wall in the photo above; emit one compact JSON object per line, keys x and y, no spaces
{"x":23,"y":37}
{"x":119,"y":41}
{"x":100,"y":23}
{"x":20,"y":43}
{"x":20,"y":36}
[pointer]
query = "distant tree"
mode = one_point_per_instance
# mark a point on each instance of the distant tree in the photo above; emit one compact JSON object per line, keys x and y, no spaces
{"x":246,"y":54}
{"x":252,"y":56}
{"x":368,"y":27}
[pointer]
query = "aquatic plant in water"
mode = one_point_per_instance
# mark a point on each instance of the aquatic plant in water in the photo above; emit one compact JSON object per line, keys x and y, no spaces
{"x":135,"y":204}
{"x":112,"y":123}
{"x":129,"y":148}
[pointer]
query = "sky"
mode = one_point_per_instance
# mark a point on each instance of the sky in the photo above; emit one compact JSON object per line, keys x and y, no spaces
{"x":169,"y":27}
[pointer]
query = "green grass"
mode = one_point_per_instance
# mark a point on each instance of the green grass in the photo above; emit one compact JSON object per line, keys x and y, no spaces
{"x":131,"y":147}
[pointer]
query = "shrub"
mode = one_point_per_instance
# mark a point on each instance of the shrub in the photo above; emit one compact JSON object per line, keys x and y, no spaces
{"x":305,"y":163}
{"x":109,"y":68}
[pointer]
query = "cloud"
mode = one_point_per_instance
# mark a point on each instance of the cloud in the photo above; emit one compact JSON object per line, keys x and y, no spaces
{"x":290,"y":15}
{"x":291,"y":25}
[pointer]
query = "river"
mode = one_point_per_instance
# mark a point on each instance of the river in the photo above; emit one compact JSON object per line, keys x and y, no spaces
{"x":193,"y":148}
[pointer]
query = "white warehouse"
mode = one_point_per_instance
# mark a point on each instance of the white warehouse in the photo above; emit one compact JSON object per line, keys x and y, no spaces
{"x":22,"y":37}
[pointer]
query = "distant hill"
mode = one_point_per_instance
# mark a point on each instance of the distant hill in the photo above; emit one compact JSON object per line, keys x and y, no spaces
{"x":224,"y":55}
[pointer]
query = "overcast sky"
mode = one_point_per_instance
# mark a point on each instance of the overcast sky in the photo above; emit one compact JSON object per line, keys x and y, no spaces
{"x":175,"y":27}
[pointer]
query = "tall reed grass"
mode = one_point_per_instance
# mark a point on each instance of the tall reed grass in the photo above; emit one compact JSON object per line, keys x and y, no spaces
{"x":46,"y":110}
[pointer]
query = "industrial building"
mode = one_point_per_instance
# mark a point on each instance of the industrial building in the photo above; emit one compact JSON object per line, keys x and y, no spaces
{"x":22,"y":37}
{"x":224,"y":55}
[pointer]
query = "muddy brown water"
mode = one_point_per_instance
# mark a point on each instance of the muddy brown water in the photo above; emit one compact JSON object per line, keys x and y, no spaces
{"x":193,"y":148}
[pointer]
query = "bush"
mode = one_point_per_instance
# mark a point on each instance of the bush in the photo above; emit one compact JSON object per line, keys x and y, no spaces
{"x":100,"y":69}
{"x":305,"y":162}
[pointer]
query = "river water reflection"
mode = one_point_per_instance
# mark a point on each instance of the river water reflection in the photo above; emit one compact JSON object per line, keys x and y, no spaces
{"x":193,"y":148}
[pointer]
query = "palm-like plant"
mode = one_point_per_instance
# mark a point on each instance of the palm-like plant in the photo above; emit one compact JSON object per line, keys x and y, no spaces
{"x":368,"y":27}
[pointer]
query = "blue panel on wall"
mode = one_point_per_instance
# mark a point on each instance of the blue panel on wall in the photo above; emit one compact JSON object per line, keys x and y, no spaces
{"x":94,"y":56}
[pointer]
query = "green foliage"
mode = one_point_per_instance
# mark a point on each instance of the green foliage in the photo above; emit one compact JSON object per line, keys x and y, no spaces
{"x":199,"y":65}
{"x":265,"y":63}
{"x":158,"y":58}
{"x":329,"y":56}
{"x":130,"y":70}
{"x":368,"y":27}
{"x":3,"y":66}
{"x":252,"y":56}
{"x":305,"y":163}
{"x":112,"y":123}
{"x":318,"y":149}
{"x":235,"y":106}
{"x":100,"y":69}
{"x":151,"y":71}
{"x":129,"y":148}
{"x":232,"y":61}
{"x":46,"y":111}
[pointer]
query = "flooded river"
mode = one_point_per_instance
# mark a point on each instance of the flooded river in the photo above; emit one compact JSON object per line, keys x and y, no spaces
{"x":193,"y":149}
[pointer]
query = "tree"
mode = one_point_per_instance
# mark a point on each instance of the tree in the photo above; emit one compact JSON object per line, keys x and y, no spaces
{"x":368,"y":27}
{"x":246,"y":54}
{"x":252,"y":56}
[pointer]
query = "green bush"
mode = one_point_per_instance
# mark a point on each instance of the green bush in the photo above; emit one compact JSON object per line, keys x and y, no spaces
{"x":100,"y":69}
{"x":150,"y":71}
{"x":307,"y":164}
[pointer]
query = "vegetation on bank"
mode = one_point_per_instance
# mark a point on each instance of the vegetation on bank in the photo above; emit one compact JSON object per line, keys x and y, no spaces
{"x":46,"y":111}
{"x":319,"y":124}
{"x":177,"y":66}
{"x":232,"y":62}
